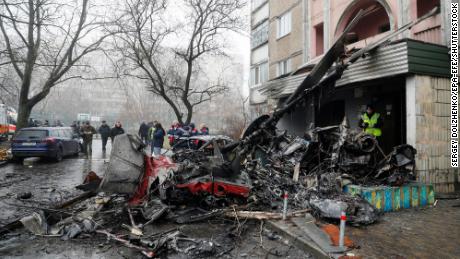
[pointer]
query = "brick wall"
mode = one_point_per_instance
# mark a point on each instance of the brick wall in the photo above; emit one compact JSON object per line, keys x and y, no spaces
{"x":432,"y":134}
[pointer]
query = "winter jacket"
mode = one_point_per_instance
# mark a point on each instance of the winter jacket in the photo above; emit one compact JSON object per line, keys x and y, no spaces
{"x":87,"y":132}
{"x":116,"y":131}
{"x":204,"y":131}
{"x":194,"y":132}
{"x":143,"y":130}
{"x":158,"y":137}
{"x":104,"y":130}
{"x":172,"y":135}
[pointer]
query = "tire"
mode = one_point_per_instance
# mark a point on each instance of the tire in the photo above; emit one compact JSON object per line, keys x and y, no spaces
{"x":59,"y":155}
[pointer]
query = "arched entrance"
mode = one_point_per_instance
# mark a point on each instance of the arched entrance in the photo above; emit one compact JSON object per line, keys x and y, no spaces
{"x":378,"y":21}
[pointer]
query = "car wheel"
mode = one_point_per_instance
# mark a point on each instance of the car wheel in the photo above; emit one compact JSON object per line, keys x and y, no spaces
{"x":59,"y":155}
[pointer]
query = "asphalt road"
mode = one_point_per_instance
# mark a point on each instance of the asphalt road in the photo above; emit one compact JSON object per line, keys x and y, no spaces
{"x":47,"y":181}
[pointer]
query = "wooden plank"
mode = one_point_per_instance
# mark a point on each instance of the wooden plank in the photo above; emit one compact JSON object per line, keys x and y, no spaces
{"x":430,"y":194}
{"x":423,"y":196}
{"x":406,"y":197}
{"x":415,"y":196}
{"x":388,"y":199}
{"x":397,"y":199}
{"x":378,"y":199}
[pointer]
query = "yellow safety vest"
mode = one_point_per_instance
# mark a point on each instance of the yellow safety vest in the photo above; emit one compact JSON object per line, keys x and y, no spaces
{"x":372,"y":121}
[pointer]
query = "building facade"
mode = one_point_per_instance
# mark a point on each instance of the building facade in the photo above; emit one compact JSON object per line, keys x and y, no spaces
{"x":408,"y":80}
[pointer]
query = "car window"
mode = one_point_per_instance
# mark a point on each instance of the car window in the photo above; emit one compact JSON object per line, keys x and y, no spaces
{"x":55,"y":133}
{"x":61,"y":133}
{"x":31,"y":134}
{"x":68,"y":133}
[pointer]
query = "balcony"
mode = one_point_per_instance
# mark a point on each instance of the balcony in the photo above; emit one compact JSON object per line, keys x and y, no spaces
{"x":428,"y":30}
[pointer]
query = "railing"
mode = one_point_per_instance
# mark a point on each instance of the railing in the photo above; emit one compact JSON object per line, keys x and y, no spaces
{"x":432,"y":35}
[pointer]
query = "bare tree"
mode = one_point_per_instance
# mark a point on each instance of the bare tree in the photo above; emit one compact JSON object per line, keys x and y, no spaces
{"x":45,"y":41}
{"x":174,"y":73}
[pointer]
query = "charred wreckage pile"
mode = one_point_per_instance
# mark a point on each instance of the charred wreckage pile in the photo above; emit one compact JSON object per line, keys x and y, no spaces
{"x":250,"y":177}
{"x":138,"y":191}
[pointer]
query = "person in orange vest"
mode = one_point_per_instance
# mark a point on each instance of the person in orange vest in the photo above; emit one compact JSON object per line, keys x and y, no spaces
{"x":371,"y":122}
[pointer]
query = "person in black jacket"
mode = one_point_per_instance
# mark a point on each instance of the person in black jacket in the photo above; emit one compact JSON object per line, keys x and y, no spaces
{"x":104,"y":130}
{"x":117,"y":130}
{"x":143,"y":132}
{"x":158,"y":139}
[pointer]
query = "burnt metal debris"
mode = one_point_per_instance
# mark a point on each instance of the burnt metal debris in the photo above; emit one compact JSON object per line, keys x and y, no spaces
{"x":248,"y":177}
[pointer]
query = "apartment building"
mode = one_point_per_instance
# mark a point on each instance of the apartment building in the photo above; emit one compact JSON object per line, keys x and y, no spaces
{"x":408,"y":80}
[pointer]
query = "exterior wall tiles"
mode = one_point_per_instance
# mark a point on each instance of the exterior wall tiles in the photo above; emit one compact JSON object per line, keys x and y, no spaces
{"x":432,"y":134}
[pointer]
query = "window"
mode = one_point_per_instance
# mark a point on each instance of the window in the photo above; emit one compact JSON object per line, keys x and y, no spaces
{"x":53,"y":133}
{"x":259,"y":74}
{"x":283,"y":67}
{"x":425,"y":6}
{"x":283,"y":25}
{"x":319,"y":39}
{"x":369,"y":25}
{"x":259,"y":35}
{"x":256,"y":3}
{"x":63,"y":133}
{"x":31,"y":134}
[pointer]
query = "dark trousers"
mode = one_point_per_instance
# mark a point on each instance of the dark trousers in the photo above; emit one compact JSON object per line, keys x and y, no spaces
{"x":104,"y":141}
{"x":88,"y":147}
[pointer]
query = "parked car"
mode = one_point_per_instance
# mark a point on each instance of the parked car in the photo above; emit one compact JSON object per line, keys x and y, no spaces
{"x":55,"y":143}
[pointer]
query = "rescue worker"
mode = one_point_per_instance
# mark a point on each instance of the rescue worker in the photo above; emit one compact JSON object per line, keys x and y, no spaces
{"x":116,"y":130}
{"x":185,"y":131}
{"x":173,"y":132}
{"x":87,"y":131}
{"x":204,"y":130}
{"x":105,"y":131}
{"x":371,"y":122}
{"x":193,"y":130}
